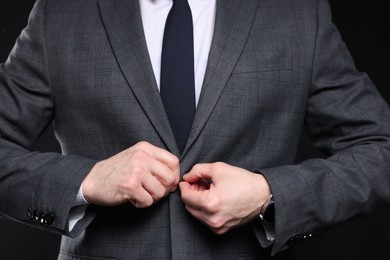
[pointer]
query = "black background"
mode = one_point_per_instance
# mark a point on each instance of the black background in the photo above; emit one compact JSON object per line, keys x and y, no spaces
{"x":364,"y":28}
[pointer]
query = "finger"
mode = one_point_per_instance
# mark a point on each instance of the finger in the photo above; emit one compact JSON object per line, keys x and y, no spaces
{"x":201,"y":185}
{"x":154,"y":187}
{"x":162,"y":155}
{"x":192,"y":197}
{"x":141,"y":198}
{"x":162,"y":173}
{"x":205,"y":171}
{"x":220,"y":231}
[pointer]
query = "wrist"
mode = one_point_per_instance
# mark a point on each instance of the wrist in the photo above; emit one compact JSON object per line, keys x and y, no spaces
{"x":266,"y":211}
{"x":88,"y":184}
{"x":81,"y":194}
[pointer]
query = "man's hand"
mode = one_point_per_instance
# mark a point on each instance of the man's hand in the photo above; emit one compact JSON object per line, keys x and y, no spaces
{"x":142,"y":174}
{"x":222,"y":196}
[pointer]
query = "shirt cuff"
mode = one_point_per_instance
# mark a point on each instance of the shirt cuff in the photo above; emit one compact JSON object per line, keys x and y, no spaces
{"x":76,"y":214}
{"x":78,"y":209}
{"x":80,"y":199}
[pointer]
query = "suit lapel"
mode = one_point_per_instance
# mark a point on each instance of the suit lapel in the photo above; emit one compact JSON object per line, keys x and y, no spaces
{"x":122,"y":21}
{"x":233,"y":22}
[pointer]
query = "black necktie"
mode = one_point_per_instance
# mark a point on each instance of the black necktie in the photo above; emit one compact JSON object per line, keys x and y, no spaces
{"x":177,"y":85}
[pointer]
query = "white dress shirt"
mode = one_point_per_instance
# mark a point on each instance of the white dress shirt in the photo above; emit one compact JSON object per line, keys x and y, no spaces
{"x":154,"y":14}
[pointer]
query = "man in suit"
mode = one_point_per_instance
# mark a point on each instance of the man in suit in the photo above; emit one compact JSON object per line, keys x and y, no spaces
{"x":272,"y":67}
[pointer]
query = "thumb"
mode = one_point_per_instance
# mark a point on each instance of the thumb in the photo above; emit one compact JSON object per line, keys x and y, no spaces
{"x":199,"y":172}
{"x":191,"y":197}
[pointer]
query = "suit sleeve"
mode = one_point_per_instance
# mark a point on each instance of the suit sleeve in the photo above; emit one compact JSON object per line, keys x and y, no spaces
{"x":348,"y":120}
{"x":35,"y":188}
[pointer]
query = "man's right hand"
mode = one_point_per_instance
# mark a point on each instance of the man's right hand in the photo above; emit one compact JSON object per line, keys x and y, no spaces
{"x":142,"y":174}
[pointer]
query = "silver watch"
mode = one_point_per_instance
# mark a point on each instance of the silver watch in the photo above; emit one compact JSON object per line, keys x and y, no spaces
{"x":267,"y":213}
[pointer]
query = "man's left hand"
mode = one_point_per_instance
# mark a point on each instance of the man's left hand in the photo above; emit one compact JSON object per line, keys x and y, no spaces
{"x":223,"y":196}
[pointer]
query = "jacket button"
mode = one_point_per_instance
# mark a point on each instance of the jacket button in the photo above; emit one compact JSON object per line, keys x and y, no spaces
{"x":41,"y":218}
{"x":48,"y":219}
{"x":36,"y":215}
{"x":30,"y":214}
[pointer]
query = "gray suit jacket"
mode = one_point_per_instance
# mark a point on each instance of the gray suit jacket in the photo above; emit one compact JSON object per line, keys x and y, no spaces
{"x":274,"y":66}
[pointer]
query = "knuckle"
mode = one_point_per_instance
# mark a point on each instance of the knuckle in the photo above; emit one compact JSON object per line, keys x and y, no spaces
{"x":131,"y":184}
{"x":142,"y":145}
{"x":220,"y":231}
{"x":218,"y":165}
{"x":159,"y":193}
{"x":176,"y":180}
{"x":172,"y":162}
{"x":134,"y":171}
{"x":215,"y":222}
{"x":139,"y":154}
{"x":171,"y":180}
{"x":147,"y":203}
{"x":175,"y":162}
{"x":142,"y":202}
{"x":213,"y":205}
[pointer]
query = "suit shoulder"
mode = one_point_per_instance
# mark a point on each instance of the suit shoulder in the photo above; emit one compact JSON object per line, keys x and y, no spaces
{"x":296,"y":5}
{"x":69,"y":5}
{"x":297,"y":11}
